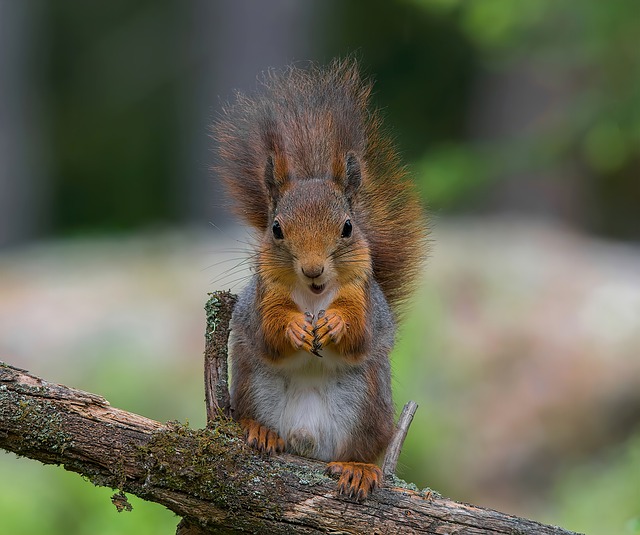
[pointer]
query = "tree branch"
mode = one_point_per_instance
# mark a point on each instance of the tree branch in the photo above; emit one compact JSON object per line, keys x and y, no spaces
{"x":209,"y":476}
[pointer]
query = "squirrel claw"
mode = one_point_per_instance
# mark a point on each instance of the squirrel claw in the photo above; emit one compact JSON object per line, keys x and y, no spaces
{"x":356,"y":480}
{"x":262,"y":438}
{"x":329,"y":328}
{"x":299,"y":335}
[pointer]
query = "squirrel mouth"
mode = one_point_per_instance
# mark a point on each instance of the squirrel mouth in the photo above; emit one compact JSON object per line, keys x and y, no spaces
{"x":317,"y":288}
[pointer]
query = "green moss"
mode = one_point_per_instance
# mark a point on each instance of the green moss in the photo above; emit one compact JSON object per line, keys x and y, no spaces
{"x":217,"y":311}
{"x":212,"y":309}
{"x":425,"y":492}
{"x":39,"y":419}
{"x":306,"y":476}
{"x":203,"y":462}
{"x":214,"y":464}
{"x":42,"y":434}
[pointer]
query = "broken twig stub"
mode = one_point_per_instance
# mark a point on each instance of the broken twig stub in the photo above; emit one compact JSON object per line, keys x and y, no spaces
{"x":395,"y":447}
{"x":218,"y":309}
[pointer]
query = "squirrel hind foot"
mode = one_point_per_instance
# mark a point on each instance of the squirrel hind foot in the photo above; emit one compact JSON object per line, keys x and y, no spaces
{"x":261,"y":437}
{"x":301,"y":442}
{"x":356,"y":480}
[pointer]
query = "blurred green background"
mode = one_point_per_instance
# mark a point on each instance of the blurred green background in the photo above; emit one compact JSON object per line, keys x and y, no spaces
{"x":521,"y":124}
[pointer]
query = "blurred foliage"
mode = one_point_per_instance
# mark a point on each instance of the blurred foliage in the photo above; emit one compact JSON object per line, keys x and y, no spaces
{"x":589,"y":47}
{"x":112,"y":76}
{"x":115,"y":83}
{"x":602,"y":497}
{"x":422,"y":65}
{"x":118,"y":77}
{"x":68,"y":505}
{"x":599,"y":495}
{"x":429,"y":55}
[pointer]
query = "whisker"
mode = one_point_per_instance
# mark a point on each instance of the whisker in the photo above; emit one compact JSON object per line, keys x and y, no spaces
{"x":252,"y":239}
{"x":226,"y":261}
{"x":234,"y":269}
{"x":234,"y":282}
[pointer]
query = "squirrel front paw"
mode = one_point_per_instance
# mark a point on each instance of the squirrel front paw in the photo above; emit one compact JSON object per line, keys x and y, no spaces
{"x":356,"y":479}
{"x":262,"y":438}
{"x":330,"y":327}
{"x":300,"y":332}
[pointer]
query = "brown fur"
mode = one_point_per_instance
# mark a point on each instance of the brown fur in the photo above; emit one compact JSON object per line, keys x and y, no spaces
{"x":308,"y":156}
{"x":308,"y":120}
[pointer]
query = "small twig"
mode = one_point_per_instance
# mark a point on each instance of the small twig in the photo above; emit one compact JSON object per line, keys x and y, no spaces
{"x":218,"y":308}
{"x":393,"y":451}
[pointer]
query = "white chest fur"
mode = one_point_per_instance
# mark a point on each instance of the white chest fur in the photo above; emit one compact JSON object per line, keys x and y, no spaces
{"x":308,"y":302}
{"x":312,"y":402}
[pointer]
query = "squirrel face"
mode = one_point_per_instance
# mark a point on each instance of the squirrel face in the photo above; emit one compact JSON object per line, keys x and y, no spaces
{"x":313,"y":242}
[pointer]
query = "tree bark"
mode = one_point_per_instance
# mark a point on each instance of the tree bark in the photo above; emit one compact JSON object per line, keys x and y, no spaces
{"x":218,"y":310}
{"x":209,"y":477}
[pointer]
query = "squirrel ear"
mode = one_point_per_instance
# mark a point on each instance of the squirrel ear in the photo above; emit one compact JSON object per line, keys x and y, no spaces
{"x":274,"y":178}
{"x":354,"y":177}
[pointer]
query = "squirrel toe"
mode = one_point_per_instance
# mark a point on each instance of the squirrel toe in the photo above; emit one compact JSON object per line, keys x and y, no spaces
{"x":261,"y":437}
{"x":356,"y":480}
{"x":329,"y":328}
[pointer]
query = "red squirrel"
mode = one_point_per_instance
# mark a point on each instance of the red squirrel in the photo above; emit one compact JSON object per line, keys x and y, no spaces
{"x":341,"y":239}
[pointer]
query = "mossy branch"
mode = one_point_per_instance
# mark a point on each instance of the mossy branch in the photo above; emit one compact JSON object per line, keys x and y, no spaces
{"x":209,"y":476}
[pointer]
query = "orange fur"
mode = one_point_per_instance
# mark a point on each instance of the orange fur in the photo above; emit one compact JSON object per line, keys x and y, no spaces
{"x":356,"y":480}
{"x":283,"y":323}
{"x":261,"y":438}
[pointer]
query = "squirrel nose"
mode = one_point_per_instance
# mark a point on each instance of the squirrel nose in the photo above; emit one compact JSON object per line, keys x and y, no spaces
{"x":313,"y":271}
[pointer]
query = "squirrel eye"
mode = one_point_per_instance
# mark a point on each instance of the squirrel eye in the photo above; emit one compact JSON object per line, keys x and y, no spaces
{"x":277,"y":231}
{"x":347,"y":229}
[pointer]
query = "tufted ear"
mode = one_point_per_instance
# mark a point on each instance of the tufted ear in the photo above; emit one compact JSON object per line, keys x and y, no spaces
{"x":275,"y":178}
{"x":353,"y":178}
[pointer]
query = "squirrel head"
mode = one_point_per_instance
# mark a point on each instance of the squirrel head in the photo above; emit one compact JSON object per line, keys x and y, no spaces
{"x":313,"y":241}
